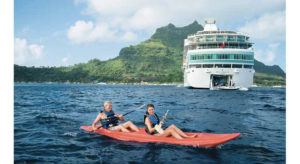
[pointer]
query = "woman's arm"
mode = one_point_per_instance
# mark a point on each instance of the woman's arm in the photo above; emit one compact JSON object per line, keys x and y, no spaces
{"x":148,"y":124}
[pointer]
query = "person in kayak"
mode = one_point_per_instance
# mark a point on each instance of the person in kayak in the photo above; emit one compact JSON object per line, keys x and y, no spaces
{"x":151,"y":119}
{"x":108,"y":115}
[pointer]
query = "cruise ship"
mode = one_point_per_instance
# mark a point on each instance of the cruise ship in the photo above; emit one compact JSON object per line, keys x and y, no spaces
{"x":217,"y":59}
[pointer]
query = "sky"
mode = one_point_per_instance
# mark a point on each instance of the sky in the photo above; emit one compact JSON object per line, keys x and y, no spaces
{"x":63,"y":33}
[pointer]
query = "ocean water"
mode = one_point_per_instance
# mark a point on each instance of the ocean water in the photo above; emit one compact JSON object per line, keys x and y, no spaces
{"x":47,"y":118}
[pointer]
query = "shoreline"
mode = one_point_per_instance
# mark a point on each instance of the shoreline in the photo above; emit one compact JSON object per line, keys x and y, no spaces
{"x":109,"y":83}
{"x":142,"y":83}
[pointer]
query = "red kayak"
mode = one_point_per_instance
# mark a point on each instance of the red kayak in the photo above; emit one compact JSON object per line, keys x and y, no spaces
{"x":202,"y":139}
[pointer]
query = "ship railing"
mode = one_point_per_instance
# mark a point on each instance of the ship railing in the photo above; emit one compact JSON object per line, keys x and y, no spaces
{"x":218,"y":47}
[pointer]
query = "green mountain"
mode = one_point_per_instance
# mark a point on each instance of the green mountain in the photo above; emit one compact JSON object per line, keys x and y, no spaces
{"x":273,"y":70}
{"x":158,"y":59}
{"x":268,"y":75}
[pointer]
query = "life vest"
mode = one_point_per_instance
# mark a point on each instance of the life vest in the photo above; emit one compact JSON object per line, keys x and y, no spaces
{"x":110,"y":116}
{"x":154,"y":121}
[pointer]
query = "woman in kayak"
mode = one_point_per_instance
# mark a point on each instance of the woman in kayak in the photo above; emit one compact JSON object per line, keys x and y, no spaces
{"x":151,"y":119}
{"x":107,"y":115}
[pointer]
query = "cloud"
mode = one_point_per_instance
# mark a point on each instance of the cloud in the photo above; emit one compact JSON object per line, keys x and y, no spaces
{"x":27,"y":54}
{"x":269,"y":54}
{"x":119,"y":17}
{"x":36,"y":50}
{"x":65,"y":61}
{"x":145,"y":18}
{"x":84,"y":32}
{"x":129,"y":36}
{"x":270,"y":26}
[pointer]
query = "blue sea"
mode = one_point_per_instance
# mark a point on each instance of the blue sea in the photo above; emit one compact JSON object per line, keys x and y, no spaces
{"x":47,"y":118}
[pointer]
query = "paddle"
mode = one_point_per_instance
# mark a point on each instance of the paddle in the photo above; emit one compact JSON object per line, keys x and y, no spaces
{"x":117,"y":118}
{"x":158,"y":127}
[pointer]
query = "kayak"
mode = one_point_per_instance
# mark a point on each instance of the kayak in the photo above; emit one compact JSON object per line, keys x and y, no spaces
{"x":201,"y":139}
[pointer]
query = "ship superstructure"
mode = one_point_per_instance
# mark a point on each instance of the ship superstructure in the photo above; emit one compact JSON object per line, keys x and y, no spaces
{"x":215,"y":58}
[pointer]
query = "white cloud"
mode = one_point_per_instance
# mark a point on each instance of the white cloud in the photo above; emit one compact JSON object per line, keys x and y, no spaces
{"x":27,"y":54}
{"x":268,"y":55}
{"x":145,"y":18}
{"x":270,"y":26}
{"x":88,"y":32}
{"x":65,"y":61}
{"x":83,"y":32}
{"x":36,"y":50}
{"x":136,"y":16}
{"x":129,"y":36}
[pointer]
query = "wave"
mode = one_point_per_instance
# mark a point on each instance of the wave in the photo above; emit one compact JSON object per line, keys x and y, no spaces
{"x":71,"y":134}
{"x":268,"y":107}
{"x":250,"y":148}
{"x":265,"y":97}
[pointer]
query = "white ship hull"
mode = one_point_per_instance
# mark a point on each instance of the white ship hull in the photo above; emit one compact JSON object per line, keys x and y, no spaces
{"x":203,"y":77}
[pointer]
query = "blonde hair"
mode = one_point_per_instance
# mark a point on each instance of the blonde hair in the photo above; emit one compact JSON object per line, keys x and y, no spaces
{"x":107,"y":102}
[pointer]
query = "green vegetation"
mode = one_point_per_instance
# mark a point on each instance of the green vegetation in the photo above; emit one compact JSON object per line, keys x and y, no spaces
{"x":273,"y":70}
{"x":156,"y":60}
{"x":262,"y":79}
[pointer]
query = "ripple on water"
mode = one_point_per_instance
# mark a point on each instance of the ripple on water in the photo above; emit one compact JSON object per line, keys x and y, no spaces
{"x":48,"y":117}
{"x":268,"y":107}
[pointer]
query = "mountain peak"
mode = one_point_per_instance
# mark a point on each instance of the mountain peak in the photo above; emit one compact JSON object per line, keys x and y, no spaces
{"x":173,"y":36}
{"x":170,"y":25}
{"x":195,"y":23}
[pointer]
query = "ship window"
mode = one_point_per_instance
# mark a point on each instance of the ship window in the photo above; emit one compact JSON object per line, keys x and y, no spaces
{"x":209,"y":38}
{"x":238,"y":56}
{"x":219,"y":65}
{"x":211,"y":46}
{"x":240,"y":38}
{"x":249,"y":57}
{"x":201,"y":38}
{"x":226,"y":65}
{"x":243,"y":57}
{"x":223,"y":56}
{"x":208,"y":65}
{"x":230,"y":38}
{"x":248,"y":66}
{"x":201,"y":57}
{"x":220,"y":38}
{"x":237,"y":66}
{"x":205,"y":56}
{"x":193,"y":57}
{"x":223,"y":65}
{"x":199,"y":66}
